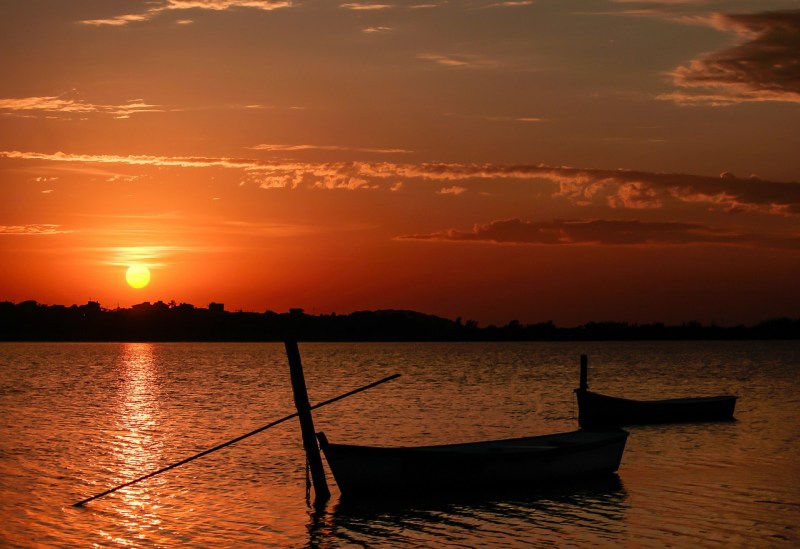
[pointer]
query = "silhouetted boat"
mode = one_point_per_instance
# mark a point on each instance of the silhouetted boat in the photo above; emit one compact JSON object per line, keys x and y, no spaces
{"x":598,"y":410}
{"x":490,"y":465}
{"x":595,"y":409}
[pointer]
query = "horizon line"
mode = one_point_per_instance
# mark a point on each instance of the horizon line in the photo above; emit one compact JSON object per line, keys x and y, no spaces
{"x":220,"y":307}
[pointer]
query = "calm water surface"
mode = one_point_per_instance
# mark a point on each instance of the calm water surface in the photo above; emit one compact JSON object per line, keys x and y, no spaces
{"x":77,"y":419}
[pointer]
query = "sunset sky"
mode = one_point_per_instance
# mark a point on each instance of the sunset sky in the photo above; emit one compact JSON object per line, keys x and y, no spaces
{"x":564,"y":160}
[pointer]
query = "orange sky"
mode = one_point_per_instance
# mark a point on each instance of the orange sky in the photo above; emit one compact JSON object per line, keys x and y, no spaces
{"x":537,"y":160}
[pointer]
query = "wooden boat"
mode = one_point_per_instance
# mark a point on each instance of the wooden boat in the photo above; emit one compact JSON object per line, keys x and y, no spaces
{"x":595,"y":409}
{"x":489,"y":465}
{"x":599,"y":410}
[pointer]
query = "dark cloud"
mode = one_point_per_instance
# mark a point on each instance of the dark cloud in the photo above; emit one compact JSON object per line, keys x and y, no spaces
{"x":764,"y":67}
{"x":631,"y":189}
{"x":621,"y":188}
{"x":605,"y":232}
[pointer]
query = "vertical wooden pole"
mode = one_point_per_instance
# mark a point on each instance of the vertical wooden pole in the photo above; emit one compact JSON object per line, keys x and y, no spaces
{"x":584,"y":373}
{"x":322,"y":493}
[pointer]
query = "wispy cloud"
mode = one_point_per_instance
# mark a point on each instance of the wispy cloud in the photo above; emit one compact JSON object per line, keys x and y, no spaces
{"x":133,"y":160}
{"x":605,"y":232}
{"x":641,"y":190}
{"x":120,"y":20}
{"x":376,"y":30}
{"x":581,"y":186}
{"x":180,"y":228}
{"x":220,"y":5}
{"x":458,"y":60}
{"x":621,"y":188}
{"x":665,"y":2}
{"x":765,"y":66}
{"x":61,"y":106}
{"x":525,"y":119}
{"x":152,"y":256}
{"x":511,"y":4}
{"x":381,"y":6}
{"x":455,"y":190}
{"x":291,"y":148}
{"x":344,"y":181}
{"x":365,"y":6}
{"x":34,"y":229}
{"x":51,"y":105}
{"x":163,"y":6}
{"x":133,"y":240}
{"x":119,"y":178}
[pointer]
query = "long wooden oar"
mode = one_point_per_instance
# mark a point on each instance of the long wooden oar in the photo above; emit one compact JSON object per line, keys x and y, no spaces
{"x":235,"y":440}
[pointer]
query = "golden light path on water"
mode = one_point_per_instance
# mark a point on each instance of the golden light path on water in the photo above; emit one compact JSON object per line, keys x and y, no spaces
{"x":136,"y":441}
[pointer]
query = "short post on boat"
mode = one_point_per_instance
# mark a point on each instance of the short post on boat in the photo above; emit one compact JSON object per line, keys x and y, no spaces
{"x":322,"y":493}
{"x":584,"y":385}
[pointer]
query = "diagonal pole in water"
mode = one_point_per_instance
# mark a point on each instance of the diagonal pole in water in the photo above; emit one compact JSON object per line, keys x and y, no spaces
{"x":235,"y":440}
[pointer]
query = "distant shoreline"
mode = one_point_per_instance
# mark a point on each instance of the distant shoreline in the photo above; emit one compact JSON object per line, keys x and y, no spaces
{"x":31,"y":321}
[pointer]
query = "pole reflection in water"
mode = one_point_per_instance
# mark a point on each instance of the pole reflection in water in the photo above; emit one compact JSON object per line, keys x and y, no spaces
{"x":137,"y":445}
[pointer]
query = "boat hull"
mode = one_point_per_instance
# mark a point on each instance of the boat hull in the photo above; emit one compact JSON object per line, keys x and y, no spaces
{"x":493,"y":465}
{"x":598,"y":410}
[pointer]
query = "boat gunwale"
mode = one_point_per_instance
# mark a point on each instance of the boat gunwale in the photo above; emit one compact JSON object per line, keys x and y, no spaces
{"x":679,"y":400}
{"x":482,"y":449}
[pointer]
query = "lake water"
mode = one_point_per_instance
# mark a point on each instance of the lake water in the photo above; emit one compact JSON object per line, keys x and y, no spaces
{"x":77,"y":419}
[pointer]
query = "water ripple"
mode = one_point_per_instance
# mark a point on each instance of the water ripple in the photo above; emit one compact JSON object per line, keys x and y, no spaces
{"x":80,"y":418}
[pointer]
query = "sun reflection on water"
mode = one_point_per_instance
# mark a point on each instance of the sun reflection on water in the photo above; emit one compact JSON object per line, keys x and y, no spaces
{"x":137,"y":446}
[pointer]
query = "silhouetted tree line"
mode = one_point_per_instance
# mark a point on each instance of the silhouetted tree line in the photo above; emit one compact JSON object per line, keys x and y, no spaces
{"x":31,"y":321}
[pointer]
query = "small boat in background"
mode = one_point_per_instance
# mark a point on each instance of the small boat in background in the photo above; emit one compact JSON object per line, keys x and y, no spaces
{"x":598,"y":410}
{"x":489,"y":465}
{"x":595,"y":409}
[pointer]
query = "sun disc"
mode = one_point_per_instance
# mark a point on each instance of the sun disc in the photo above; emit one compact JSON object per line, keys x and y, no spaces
{"x":137,"y":276}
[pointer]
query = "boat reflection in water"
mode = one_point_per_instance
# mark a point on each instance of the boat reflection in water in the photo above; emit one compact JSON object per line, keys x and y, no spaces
{"x":593,"y":511}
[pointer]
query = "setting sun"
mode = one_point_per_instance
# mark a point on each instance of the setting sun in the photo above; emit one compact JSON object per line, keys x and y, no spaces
{"x":137,"y":276}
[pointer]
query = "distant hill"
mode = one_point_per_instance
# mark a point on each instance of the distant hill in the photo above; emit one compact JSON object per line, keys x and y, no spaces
{"x":31,"y":321}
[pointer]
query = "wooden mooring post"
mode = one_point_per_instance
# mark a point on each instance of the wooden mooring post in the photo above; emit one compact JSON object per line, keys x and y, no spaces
{"x":584,"y":385}
{"x":321,"y":491}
